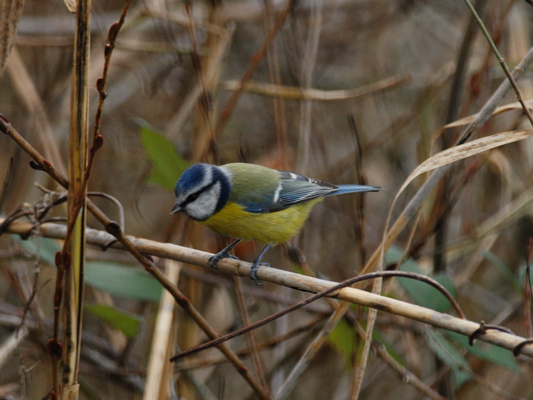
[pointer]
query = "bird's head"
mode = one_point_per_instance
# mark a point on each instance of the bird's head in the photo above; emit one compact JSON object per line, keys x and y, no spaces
{"x":202,"y":190}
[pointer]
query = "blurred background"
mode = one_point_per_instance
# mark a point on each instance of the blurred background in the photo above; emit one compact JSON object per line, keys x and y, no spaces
{"x":345,"y":91}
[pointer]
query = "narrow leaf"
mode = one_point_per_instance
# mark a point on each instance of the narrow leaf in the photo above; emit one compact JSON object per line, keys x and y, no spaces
{"x":486,"y":351}
{"x":342,"y":339}
{"x":124,"y":322}
{"x":421,"y":293}
{"x":168,"y":165}
{"x":47,"y":248}
{"x":506,"y":272}
{"x":471,"y":118}
{"x":123,"y":281}
{"x":449,"y":355}
{"x":462,"y":151}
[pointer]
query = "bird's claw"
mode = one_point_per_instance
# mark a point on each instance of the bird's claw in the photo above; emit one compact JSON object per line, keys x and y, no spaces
{"x":213,"y":260}
{"x":253,"y":272}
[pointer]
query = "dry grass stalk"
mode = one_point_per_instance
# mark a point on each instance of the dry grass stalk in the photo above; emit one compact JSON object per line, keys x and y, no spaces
{"x":158,"y":373}
{"x":299,"y":93}
{"x":73,"y":285}
{"x":10,"y":12}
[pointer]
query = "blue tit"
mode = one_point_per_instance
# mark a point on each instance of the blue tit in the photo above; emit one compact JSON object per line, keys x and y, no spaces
{"x":251,"y":202}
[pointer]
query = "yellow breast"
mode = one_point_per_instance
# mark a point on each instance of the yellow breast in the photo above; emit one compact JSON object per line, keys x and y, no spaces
{"x":271,"y":228}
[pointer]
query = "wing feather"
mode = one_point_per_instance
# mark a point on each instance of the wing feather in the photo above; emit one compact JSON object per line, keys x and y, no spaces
{"x":298,"y":188}
{"x":292,"y":189}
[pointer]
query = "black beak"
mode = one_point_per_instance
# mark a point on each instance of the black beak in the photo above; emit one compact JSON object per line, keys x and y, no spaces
{"x":176,"y":209}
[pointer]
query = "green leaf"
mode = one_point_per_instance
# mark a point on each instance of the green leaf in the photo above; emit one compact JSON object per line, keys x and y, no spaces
{"x":122,"y":281}
{"x":124,"y":322}
{"x":47,"y":248}
{"x":343,"y":340}
{"x":379,"y":336}
{"x":422,"y":293}
{"x":486,"y":351}
{"x":393,"y":255}
{"x":522,"y":276}
{"x":168,"y":165}
{"x":504,"y":270}
{"x":449,"y":355}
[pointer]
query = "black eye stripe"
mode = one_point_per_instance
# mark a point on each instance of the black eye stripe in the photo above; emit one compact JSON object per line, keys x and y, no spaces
{"x":193,"y":196}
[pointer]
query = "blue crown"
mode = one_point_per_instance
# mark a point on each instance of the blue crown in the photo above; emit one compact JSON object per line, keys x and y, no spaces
{"x":192,"y":177}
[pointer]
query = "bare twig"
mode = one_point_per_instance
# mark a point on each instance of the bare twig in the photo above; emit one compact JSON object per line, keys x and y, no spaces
{"x":254,"y":62}
{"x":250,"y":336}
{"x":308,"y":93}
{"x":114,"y":229}
{"x":101,"y":85}
{"x":205,"y":103}
{"x":285,"y":278}
{"x":500,"y":60}
{"x":206,"y":362}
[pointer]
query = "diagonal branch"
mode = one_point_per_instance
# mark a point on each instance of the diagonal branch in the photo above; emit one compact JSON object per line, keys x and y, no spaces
{"x":114,"y":229}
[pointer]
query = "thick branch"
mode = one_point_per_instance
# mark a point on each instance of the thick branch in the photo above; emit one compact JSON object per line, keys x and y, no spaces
{"x":289,"y":279}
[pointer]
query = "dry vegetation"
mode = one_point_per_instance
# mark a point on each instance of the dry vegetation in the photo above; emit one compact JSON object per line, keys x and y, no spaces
{"x":347,"y":91}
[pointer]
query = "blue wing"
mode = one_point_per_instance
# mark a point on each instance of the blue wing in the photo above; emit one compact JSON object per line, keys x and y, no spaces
{"x":297,"y":188}
{"x":292,"y":189}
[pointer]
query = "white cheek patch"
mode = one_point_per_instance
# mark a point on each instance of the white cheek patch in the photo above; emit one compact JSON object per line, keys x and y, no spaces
{"x":205,"y":205}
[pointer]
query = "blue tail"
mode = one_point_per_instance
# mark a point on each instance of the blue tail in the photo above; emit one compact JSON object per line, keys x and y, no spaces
{"x":354,"y":189}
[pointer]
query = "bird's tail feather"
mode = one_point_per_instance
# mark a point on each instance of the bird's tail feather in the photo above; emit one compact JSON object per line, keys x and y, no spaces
{"x":354,"y":189}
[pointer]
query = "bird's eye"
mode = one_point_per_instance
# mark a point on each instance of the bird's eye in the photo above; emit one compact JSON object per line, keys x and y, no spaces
{"x":193,"y":197}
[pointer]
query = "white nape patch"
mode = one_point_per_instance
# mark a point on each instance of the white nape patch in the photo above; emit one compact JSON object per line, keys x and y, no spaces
{"x":276,"y":193}
{"x":227,"y":173}
{"x":205,"y":205}
{"x":293,"y":175}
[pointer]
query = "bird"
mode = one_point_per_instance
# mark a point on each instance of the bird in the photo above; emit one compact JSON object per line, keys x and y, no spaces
{"x":251,"y":202}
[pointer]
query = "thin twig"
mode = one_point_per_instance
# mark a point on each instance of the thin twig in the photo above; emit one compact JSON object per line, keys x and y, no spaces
{"x":280,"y":117}
{"x":250,"y":336}
{"x":298,"y":93}
{"x":101,"y":85}
{"x":205,"y":103}
{"x":114,"y":229}
{"x":272,"y":342}
{"x":254,"y":63}
{"x":334,"y":288}
{"x":218,"y":53}
{"x":500,"y":59}
{"x":289,"y":279}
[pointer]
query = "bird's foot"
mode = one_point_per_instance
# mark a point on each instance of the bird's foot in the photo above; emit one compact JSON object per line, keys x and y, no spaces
{"x":253,"y":271}
{"x":213,"y":260}
{"x":219,"y":256}
{"x":257,"y":263}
